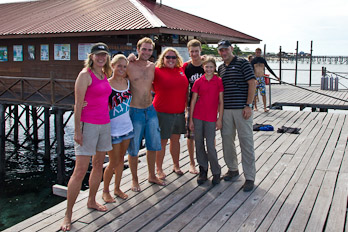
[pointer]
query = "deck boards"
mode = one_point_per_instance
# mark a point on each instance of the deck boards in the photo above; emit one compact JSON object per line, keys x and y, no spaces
{"x":301,"y":184}
{"x":284,"y":95}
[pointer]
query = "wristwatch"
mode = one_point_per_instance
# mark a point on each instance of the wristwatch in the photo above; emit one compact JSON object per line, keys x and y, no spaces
{"x":249,"y":105}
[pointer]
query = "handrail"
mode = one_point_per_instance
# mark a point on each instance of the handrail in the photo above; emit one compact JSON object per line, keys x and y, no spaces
{"x":37,"y":91}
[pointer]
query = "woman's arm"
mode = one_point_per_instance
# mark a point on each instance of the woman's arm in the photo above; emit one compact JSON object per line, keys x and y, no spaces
{"x":82,"y":82}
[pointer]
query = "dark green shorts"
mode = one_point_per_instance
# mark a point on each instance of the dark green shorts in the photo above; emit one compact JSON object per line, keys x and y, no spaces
{"x":171,"y":124}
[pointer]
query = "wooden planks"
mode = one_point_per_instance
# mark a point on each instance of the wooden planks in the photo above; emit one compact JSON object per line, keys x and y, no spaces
{"x":285,"y":95}
{"x":301,"y":184}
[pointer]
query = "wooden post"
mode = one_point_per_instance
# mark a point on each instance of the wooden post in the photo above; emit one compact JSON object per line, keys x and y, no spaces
{"x":16,"y":123}
{"x":35,"y":131}
{"x":2,"y":143}
{"x":296,"y":63}
{"x":280,"y":63}
{"x":269,"y":86}
{"x":59,"y":125}
{"x":310,"y":65}
{"x":27,"y":121}
{"x":47,"y":156}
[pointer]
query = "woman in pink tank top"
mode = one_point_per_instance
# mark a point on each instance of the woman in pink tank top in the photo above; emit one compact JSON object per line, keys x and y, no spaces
{"x":92,"y":128}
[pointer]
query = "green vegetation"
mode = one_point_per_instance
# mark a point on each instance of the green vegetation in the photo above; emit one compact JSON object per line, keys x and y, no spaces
{"x":211,"y":50}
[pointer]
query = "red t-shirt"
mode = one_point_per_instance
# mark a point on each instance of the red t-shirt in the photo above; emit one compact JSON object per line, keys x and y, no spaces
{"x":206,"y":107}
{"x":170,"y":86}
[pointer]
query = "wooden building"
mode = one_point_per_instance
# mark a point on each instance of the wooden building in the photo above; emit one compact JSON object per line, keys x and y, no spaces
{"x":51,"y":37}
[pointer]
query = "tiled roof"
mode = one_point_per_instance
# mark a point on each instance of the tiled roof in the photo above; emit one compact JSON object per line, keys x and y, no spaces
{"x":50,"y":17}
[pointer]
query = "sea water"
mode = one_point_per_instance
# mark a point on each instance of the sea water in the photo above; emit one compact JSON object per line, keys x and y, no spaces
{"x":28,"y":183}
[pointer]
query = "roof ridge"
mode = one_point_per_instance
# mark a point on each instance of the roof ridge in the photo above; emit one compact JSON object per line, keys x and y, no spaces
{"x":149,"y":15}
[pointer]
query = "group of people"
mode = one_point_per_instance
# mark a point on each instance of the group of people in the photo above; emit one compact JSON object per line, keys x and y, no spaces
{"x":115,"y":110}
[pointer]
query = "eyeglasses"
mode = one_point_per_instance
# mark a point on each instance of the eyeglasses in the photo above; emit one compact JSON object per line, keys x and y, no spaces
{"x":170,"y":57}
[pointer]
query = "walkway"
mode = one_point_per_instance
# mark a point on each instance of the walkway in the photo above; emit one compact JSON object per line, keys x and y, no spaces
{"x":301,"y":184}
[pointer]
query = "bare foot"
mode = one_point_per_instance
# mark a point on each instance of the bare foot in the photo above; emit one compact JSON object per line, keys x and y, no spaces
{"x":157,"y":181}
{"x":120,"y":194}
{"x":108,"y":198}
{"x":135,"y":186}
{"x":255,"y":109}
{"x":66,"y":225}
{"x":161,"y":175}
{"x":97,"y":206}
{"x":193,"y":169}
{"x":265,"y":109}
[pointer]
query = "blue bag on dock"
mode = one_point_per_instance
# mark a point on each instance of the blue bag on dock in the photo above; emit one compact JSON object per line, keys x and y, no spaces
{"x":262,"y":127}
{"x":266,"y":128}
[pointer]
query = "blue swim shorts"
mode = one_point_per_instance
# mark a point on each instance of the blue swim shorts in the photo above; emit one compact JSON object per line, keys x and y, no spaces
{"x":119,"y":139}
{"x":261,"y":86}
{"x":145,"y":124}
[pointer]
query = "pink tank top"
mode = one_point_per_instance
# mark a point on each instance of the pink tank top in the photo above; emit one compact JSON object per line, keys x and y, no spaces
{"x":97,"y":96}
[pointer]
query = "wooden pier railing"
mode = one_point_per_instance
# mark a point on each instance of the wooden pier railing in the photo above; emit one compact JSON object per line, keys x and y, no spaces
{"x":37,"y":91}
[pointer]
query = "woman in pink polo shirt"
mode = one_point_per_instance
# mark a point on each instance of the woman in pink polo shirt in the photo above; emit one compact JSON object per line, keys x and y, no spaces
{"x":170,"y":86}
{"x":207,"y":101}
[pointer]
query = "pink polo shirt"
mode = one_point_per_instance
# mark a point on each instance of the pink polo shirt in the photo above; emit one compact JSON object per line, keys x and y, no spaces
{"x":207,"y":104}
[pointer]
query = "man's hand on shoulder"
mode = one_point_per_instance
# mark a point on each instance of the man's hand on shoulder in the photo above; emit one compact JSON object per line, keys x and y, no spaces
{"x":132,"y":57}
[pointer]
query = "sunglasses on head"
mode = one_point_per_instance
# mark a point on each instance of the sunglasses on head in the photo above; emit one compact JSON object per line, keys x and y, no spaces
{"x":170,"y":57}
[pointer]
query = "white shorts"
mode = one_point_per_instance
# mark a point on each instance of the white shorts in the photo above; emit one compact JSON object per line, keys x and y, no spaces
{"x":94,"y":138}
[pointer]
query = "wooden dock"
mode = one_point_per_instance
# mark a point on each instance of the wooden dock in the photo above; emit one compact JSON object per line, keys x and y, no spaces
{"x":301,"y":182}
{"x":285,"y":95}
{"x":301,"y":185}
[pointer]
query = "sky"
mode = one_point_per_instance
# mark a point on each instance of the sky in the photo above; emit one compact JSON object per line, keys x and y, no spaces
{"x":277,"y":22}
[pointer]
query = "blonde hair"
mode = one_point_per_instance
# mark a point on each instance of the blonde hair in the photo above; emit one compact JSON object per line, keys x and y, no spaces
{"x":118,"y":57}
{"x":194,"y":43}
{"x":160,"y":61}
{"x":107,"y":67}
{"x":145,"y":40}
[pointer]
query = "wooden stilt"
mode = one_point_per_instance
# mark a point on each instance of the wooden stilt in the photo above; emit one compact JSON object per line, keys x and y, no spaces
{"x":47,"y":156}
{"x":2,"y":142}
{"x":16,"y":123}
{"x":59,"y":125}
{"x":35,"y":131}
{"x":27,"y":121}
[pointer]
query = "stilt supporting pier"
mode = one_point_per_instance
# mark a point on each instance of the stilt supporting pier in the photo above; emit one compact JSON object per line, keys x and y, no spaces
{"x":59,"y":127}
{"x":47,"y":156}
{"x":16,"y":123}
{"x":2,"y":142}
{"x":35,"y":129}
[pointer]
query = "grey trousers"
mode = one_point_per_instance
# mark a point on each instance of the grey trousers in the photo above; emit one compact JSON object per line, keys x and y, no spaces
{"x":233,"y":121}
{"x":204,"y":129}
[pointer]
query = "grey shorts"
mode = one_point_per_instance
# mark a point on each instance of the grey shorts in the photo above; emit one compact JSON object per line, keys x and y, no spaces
{"x":171,"y":124}
{"x":94,"y":138}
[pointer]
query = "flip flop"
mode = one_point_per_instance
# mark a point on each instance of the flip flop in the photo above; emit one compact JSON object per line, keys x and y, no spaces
{"x":135,"y":189}
{"x":179,"y":173}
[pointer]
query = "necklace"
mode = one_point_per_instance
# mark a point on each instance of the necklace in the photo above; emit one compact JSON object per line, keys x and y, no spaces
{"x":99,"y":76}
